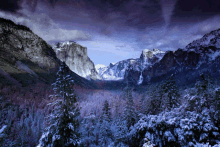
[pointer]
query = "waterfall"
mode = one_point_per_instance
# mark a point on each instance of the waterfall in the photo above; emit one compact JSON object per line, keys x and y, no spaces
{"x":140,"y":79}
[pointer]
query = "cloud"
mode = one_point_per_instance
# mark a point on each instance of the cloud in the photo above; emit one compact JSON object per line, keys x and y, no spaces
{"x":177,"y":36}
{"x":45,"y":27}
{"x":10,"y":6}
{"x":205,"y":26}
{"x":167,"y":10}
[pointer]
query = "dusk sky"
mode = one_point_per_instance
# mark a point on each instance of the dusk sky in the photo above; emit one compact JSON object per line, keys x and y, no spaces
{"x":115,"y":30}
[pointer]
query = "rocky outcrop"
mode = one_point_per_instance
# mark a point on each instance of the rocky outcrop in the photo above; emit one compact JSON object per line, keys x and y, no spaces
{"x":26,"y":59}
{"x":118,"y":70}
{"x":21,"y":43}
{"x":196,"y":56}
{"x":76,"y":58}
{"x":25,"y":56}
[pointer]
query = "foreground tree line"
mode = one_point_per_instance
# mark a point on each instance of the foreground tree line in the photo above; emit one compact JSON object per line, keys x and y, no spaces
{"x":167,"y":116}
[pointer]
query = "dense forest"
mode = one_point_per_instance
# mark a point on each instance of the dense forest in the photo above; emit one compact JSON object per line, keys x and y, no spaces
{"x":160,"y":114}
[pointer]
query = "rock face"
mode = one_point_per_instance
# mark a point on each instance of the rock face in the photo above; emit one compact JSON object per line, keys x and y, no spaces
{"x":201,"y":55}
{"x":134,"y":73}
{"x":76,"y":58}
{"x":26,"y":45}
{"x":26,"y":59}
{"x":114,"y":71}
{"x":24,"y":56}
{"x":118,"y":70}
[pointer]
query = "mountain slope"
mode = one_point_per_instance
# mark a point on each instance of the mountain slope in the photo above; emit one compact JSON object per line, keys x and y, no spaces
{"x":117,"y":71}
{"x":200,"y":56}
{"x":26,"y":59}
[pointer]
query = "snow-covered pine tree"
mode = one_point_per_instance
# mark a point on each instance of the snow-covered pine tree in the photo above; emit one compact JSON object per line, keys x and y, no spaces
{"x":120,"y":132}
{"x":106,"y":114}
{"x":217,"y":98}
{"x":63,"y":121}
{"x":129,"y":113}
{"x":88,"y":130}
{"x":217,"y":107}
{"x":105,"y":126}
{"x":156,"y":95}
{"x":171,"y":93}
{"x":205,"y":90}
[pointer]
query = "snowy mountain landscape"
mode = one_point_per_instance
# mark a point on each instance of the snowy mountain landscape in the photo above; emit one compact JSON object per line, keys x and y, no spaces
{"x":96,"y":74}
{"x":117,"y":70}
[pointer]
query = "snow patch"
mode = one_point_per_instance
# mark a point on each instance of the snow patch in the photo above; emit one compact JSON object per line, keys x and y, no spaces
{"x":216,"y":54}
{"x":97,"y":66}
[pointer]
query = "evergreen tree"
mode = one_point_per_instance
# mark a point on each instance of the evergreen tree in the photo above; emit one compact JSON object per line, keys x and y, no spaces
{"x":105,"y":125}
{"x":217,"y":107}
{"x":130,"y":112}
{"x":120,"y":132}
{"x":156,"y":95}
{"x":63,"y":121}
{"x":170,"y":93}
{"x":205,"y":90}
{"x":106,"y":114}
{"x":88,"y":129}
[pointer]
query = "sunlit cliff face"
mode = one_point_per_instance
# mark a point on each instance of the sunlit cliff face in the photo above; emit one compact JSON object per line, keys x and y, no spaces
{"x":147,"y":53}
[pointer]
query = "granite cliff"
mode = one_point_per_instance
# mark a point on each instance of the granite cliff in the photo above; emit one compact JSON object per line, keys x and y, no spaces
{"x":76,"y":58}
{"x":200,"y":56}
{"x":25,"y":58}
{"x":117,"y":71}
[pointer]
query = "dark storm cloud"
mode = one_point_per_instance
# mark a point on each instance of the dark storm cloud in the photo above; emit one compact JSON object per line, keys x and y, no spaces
{"x":10,"y":6}
{"x":139,"y":14}
{"x":195,"y":11}
{"x":163,"y":24}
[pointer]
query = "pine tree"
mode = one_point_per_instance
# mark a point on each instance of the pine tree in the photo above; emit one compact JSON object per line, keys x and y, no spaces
{"x":106,"y":114}
{"x":156,"y":95}
{"x":88,"y":129}
{"x":130,"y":112}
{"x":170,"y":93}
{"x":63,"y":121}
{"x":205,"y":90}
{"x":105,"y":123}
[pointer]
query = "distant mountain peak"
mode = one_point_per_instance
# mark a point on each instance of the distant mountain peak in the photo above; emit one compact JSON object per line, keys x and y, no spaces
{"x":97,"y":66}
{"x":147,"y":53}
{"x":209,"y":39}
{"x":116,"y":71}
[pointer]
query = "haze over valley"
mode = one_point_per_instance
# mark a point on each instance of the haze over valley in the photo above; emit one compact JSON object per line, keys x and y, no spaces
{"x":80,"y":73}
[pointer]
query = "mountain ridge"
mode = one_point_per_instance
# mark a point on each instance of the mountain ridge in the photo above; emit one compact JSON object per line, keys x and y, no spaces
{"x":26,"y":59}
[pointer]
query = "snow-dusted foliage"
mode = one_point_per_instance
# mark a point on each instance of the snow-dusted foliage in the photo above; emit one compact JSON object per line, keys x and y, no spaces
{"x":176,"y":129}
{"x":120,"y":132}
{"x":130,"y":114}
{"x":147,"y":143}
{"x":183,"y":126}
{"x":89,"y":130}
{"x":63,"y":121}
{"x":105,"y":126}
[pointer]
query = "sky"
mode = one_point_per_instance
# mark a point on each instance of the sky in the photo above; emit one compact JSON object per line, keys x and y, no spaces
{"x":115,"y":30}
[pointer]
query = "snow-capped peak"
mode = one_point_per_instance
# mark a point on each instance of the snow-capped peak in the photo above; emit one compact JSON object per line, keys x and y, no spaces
{"x":97,"y":66}
{"x":209,"y":39}
{"x":157,"y":51}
